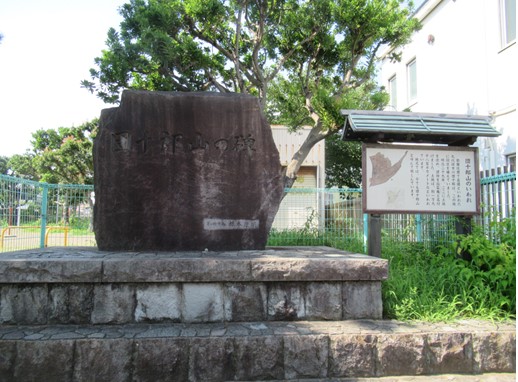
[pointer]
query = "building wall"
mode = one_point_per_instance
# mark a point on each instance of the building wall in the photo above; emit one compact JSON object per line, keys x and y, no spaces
{"x":301,"y":209}
{"x":463,"y":67}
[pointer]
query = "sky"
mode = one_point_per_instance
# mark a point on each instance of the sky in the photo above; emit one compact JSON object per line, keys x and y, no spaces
{"x":48,"y":47}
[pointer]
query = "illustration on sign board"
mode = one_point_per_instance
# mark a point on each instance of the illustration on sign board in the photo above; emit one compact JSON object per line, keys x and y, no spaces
{"x":383,"y":169}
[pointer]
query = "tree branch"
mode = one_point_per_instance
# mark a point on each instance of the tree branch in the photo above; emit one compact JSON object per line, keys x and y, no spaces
{"x":315,"y":135}
{"x":237,"y":63}
{"x":287,"y":56}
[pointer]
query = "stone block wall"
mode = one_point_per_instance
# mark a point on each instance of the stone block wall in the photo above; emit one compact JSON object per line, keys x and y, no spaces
{"x":121,"y":303}
{"x":85,"y":286}
{"x":255,"y":351}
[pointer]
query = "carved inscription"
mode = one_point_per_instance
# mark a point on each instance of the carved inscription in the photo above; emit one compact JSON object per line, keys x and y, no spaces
{"x":185,"y":172}
{"x":171,"y":144}
{"x":229,"y":224}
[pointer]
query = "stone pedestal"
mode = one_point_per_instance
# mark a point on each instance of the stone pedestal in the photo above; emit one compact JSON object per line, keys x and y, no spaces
{"x":86,"y":286}
{"x":78,"y":314}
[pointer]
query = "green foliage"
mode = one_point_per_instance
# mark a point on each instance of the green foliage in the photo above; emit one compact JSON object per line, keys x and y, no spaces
{"x":58,"y":156}
{"x":343,"y":163}
{"x":304,"y":60}
{"x":3,"y":165}
{"x":22,"y":166}
{"x":441,"y":286}
{"x":493,"y":266}
{"x":299,"y":237}
{"x":80,"y":223}
{"x":505,"y":230}
{"x":319,"y":49}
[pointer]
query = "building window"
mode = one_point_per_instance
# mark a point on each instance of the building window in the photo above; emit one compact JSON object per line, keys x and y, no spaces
{"x":508,"y":21}
{"x":411,"y":70}
{"x":392,"y":86}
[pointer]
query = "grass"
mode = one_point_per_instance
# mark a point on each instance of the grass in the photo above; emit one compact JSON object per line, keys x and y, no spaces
{"x":441,"y":287}
{"x":437,"y":285}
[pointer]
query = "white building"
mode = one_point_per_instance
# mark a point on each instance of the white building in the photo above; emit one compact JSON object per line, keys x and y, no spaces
{"x":462,"y":61}
{"x":303,"y":207}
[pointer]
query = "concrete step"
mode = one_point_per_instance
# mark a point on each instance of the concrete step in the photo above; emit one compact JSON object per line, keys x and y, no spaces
{"x":74,"y":285}
{"x":270,"y":350}
{"x":487,"y":377}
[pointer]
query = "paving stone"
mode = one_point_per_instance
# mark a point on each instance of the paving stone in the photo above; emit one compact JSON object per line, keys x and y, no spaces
{"x":158,"y":302}
{"x":24,"y":304}
{"x":324,"y":301}
{"x":362,"y":299}
{"x":306,"y":356}
{"x":286,"y":302}
{"x":113,"y":303}
{"x":7,"y":359}
{"x":449,"y":352}
{"x":259,"y":358}
{"x":161,"y":359}
{"x":246,"y":302}
{"x":103,"y":360}
{"x":210,"y":359}
{"x":66,"y":336}
{"x":353,"y":355}
{"x":203,"y":303}
{"x":401,"y":354}
{"x":50,"y":360}
{"x":495,"y":351}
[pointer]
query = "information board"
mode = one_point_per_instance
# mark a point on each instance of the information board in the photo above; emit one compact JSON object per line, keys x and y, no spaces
{"x":420,"y":179}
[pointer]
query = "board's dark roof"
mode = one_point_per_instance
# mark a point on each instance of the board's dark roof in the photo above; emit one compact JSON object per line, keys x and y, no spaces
{"x":385,"y":126}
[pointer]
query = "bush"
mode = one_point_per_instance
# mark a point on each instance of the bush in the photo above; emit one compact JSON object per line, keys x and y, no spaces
{"x":438,"y":286}
{"x":77,"y":223}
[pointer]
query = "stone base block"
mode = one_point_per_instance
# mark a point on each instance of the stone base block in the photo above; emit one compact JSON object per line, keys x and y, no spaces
{"x":303,"y":350}
{"x":86,"y":286}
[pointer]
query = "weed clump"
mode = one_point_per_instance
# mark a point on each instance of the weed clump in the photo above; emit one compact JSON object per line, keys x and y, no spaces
{"x":440,"y":286}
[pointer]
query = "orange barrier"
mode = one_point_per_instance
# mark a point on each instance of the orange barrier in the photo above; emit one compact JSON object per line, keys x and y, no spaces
{"x":47,"y":232}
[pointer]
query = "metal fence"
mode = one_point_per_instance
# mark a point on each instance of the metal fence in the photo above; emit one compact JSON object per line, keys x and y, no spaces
{"x":36,"y":215}
{"x":498,"y":198}
{"x":335,"y":218}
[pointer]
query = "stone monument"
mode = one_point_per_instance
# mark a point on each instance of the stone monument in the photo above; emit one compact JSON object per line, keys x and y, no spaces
{"x":185,"y":171}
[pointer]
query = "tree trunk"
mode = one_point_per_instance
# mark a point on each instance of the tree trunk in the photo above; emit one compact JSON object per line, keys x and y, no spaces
{"x":290,"y":173}
{"x":66,"y":212}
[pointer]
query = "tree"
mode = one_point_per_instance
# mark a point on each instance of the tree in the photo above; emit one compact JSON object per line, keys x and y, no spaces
{"x":21,"y":166}
{"x":344,"y":159}
{"x":343,"y":163}
{"x":302,"y":59}
{"x":58,"y":156}
{"x":3,"y":165}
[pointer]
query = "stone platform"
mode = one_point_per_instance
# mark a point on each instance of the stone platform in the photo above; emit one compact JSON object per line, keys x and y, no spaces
{"x":78,"y":314}
{"x":87,"y":286}
{"x":299,"y":350}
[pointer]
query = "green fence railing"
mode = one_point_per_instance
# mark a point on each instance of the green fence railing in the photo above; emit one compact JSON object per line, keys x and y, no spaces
{"x":36,"y":215}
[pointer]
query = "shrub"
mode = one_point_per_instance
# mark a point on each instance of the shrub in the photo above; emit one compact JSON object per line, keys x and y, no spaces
{"x":435,"y":286}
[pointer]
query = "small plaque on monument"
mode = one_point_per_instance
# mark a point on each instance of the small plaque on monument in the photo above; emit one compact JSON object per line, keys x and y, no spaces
{"x":185,"y":171}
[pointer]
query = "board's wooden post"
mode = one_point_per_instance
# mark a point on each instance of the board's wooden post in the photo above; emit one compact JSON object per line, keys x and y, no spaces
{"x":374,"y":242}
